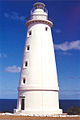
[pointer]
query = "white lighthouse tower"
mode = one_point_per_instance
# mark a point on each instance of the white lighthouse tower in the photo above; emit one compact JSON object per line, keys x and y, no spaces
{"x":38,"y":88}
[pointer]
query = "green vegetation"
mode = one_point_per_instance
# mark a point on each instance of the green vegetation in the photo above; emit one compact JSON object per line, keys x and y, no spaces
{"x":73,"y":111}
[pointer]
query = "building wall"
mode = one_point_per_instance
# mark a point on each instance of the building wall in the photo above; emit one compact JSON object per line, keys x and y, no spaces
{"x":41,"y":69}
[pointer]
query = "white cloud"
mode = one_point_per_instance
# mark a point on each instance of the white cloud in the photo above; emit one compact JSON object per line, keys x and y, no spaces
{"x":2,"y":55}
{"x":64,"y":53}
{"x":74,"y":45}
{"x":75,"y":77}
{"x":57,"y":31}
{"x":6,"y":15}
{"x":13,"y":69}
{"x":70,"y":94}
{"x":14,"y":16}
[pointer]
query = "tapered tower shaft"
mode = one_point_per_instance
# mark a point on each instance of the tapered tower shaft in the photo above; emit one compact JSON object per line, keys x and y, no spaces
{"x":38,"y":87}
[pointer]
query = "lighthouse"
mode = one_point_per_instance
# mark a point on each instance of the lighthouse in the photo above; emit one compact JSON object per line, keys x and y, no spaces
{"x":38,"y":87}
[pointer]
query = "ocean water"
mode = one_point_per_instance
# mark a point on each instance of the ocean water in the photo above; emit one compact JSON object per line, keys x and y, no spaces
{"x":10,"y":104}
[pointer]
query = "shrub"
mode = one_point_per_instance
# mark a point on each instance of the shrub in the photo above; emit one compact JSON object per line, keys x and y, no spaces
{"x":73,"y":111}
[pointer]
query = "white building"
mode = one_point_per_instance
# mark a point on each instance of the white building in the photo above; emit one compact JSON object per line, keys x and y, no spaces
{"x":38,"y":87}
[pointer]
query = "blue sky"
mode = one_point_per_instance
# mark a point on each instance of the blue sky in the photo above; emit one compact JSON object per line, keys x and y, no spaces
{"x":66,"y":37}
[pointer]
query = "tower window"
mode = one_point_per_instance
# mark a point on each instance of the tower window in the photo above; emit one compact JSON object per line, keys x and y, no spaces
{"x":26,"y":64}
{"x":46,"y":28}
{"x":28,"y":47}
{"x":30,"y":32}
{"x":24,"y":80}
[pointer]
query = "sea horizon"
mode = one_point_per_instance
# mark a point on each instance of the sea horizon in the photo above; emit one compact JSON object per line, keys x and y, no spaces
{"x":17,"y":98}
{"x":8,"y":105}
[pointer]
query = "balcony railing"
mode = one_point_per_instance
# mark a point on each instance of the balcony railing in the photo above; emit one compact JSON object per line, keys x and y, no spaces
{"x":40,"y":18}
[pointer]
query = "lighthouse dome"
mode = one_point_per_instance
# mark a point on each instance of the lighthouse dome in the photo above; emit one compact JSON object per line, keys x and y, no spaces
{"x":39,"y":11}
{"x":39,"y":14}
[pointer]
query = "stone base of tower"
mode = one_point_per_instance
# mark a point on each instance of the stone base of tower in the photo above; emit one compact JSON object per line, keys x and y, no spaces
{"x":38,"y":113}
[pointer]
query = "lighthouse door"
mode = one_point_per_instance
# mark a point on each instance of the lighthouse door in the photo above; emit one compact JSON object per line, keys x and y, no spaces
{"x":22,"y":104}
